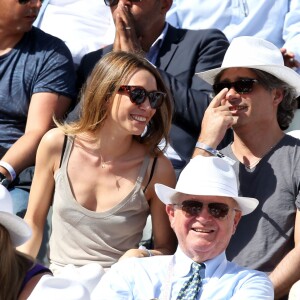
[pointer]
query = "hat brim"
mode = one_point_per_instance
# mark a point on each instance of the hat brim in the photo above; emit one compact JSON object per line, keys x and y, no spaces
{"x":18,"y":229}
{"x":281,"y":72}
{"x":167,"y":196}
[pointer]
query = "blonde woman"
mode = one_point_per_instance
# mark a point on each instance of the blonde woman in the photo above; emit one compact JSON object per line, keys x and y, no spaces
{"x":101,"y":184}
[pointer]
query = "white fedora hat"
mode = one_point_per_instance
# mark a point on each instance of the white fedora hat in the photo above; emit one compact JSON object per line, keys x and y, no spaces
{"x":18,"y":229}
{"x":255,"y":53}
{"x":49,"y":288}
{"x":207,"y":176}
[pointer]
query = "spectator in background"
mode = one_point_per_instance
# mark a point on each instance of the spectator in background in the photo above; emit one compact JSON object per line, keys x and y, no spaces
{"x":274,"y":21}
{"x":102,"y":187}
{"x":19,"y":274}
{"x":177,"y":54}
{"x":204,"y":211}
{"x":256,"y":96}
{"x":84,"y":27}
{"x":37,"y":82}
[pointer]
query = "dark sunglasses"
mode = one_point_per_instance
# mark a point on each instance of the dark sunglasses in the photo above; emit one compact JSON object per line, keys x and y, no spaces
{"x":193,"y":208}
{"x":138,"y":95}
{"x":115,"y":2}
{"x":243,"y":86}
{"x":23,"y":2}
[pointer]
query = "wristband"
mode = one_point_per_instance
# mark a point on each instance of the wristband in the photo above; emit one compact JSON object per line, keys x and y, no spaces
{"x":9,"y":168}
{"x":147,"y":250}
{"x":214,"y":152}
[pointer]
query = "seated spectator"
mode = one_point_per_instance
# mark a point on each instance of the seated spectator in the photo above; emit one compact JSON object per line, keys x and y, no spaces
{"x":245,"y":18}
{"x":177,"y":53}
{"x":84,"y":28}
{"x":37,"y":82}
{"x":99,"y":172}
{"x":204,"y":210}
{"x":256,"y":96}
{"x":18,"y":273}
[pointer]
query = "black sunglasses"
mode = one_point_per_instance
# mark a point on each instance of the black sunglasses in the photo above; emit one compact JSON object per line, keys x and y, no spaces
{"x":115,"y":2}
{"x":193,"y":208}
{"x":23,"y":2}
{"x":138,"y":95}
{"x":243,"y":86}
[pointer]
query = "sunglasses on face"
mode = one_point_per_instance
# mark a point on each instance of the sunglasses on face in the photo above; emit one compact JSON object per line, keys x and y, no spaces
{"x":243,"y":86}
{"x":115,"y":2}
{"x":23,"y":2}
{"x":193,"y":208}
{"x":138,"y":95}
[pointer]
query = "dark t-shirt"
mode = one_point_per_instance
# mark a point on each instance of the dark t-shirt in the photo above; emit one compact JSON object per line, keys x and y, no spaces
{"x":38,"y":63}
{"x":266,"y":235}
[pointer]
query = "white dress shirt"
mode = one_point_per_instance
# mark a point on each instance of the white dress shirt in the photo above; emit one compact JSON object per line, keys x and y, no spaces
{"x":162,"y":276}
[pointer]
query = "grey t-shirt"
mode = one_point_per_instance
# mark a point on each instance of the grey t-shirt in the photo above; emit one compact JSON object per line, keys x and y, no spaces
{"x":266,"y":235}
{"x":38,"y":63}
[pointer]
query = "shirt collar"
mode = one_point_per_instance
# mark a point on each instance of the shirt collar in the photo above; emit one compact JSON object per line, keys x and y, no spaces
{"x":155,"y":47}
{"x":182,"y":264}
{"x":161,"y":36}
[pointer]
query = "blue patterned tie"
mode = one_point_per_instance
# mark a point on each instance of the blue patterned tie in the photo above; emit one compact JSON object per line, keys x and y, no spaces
{"x":191,"y":287}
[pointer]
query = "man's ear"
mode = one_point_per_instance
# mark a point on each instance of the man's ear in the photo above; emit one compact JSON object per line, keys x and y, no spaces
{"x":171,"y":214}
{"x":278,"y":95}
{"x":236,"y":220}
{"x":166,"y":5}
{"x":170,"y":210}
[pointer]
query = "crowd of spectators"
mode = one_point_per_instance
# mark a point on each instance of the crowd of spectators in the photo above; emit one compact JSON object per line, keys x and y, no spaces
{"x":107,"y":109}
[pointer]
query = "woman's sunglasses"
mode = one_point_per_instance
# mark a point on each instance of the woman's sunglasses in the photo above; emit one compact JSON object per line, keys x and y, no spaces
{"x":193,"y":208}
{"x":138,"y":95}
{"x":115,"y":2}
{"x":243,"y":86}
{"x":23,"y":2}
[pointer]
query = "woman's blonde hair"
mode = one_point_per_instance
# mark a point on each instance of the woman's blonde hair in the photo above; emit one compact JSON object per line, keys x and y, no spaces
{"x":113,"y":70}
{"x":13,"y":267}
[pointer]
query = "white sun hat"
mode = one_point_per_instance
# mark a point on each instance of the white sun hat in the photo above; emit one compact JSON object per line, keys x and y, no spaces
{"x":206,"y":176}
{"x":255,"y":53}
{"x":18,"y":229}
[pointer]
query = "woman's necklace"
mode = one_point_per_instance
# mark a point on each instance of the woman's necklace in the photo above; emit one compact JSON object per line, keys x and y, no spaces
{"x":104,"y":163}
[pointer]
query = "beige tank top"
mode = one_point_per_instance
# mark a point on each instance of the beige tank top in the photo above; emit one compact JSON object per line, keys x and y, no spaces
{"x":80,"y":236}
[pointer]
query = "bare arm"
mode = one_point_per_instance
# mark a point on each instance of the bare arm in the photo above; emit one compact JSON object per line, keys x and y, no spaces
{"x":287,"y":271}
{"x":41,"y":194}
{"x":164,"y":238}
{"x":41,"y":110}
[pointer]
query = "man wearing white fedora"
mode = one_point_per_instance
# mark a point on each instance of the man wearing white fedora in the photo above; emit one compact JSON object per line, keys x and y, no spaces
{"x":204,"y":210}
{"x":256,"y":96}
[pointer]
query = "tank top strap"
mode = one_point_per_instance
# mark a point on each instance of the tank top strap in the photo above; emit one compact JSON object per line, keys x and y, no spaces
{"x":67,"y":151}
{"x":143,"y":170}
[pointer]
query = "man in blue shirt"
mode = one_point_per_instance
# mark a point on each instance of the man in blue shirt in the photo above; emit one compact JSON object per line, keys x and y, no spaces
{"x":37,"y":82}
{"x":274,"y":21}
{"x":204,"y":210}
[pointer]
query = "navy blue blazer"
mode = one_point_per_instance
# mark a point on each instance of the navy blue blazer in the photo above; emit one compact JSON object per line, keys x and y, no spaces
{"x":182,"y":54}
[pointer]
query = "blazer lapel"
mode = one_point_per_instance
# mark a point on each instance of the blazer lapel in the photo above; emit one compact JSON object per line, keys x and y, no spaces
{"x":169,"y":46}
